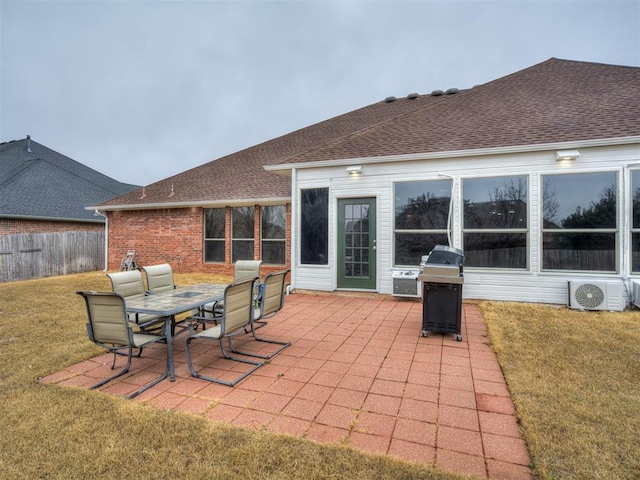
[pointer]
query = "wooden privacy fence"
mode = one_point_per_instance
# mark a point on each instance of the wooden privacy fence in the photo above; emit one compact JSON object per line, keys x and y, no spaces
{"x":47,"y":254}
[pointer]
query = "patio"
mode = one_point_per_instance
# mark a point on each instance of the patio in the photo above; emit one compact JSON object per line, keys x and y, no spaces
{"x":357,"y":372}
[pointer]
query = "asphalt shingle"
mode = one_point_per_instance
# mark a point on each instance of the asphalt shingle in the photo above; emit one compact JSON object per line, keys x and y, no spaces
{"x":45,"y":184}
{"x":554,"y":101}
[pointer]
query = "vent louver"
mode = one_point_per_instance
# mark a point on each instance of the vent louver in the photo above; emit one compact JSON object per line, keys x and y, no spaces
{"x":588,"y":295}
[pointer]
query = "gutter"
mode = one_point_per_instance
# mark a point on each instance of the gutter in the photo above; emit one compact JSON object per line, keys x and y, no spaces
{"x":106,"y":239}
{"x":283,"y":167}
{"x":50,"y":219}
{"x":187,"y":204}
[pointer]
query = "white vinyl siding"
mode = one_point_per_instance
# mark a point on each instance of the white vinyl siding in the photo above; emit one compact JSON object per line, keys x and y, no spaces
{"x":533,"y":284}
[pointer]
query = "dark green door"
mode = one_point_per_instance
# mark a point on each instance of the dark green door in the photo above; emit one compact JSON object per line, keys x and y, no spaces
{"x":357,"y":243}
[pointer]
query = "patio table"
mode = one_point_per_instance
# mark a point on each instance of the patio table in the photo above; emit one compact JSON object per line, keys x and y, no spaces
{"x":170,"y":303}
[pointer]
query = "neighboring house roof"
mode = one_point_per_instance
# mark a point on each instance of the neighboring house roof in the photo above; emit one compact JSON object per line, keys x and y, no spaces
{"x":553,"y":102}
{"x":43,"y":184}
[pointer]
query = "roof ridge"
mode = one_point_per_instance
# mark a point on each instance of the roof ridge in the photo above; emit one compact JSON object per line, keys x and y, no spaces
{"x":26,"y":165}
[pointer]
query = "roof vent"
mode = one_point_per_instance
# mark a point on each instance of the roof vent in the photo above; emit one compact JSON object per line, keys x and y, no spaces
{"x":390,"y":99}
{"x":436,"y":93}
{"x":411,"y":96}
{"x":451,"y":91}
{"x":29,"y":143}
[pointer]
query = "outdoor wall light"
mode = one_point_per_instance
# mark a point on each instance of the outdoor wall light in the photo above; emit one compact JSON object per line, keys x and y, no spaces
{"x":354,"y":169}
{"x":567,"y":155}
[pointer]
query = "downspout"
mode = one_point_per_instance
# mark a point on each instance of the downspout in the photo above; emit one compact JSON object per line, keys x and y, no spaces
{"x":453,"y":187}
{"x":106,"y":238}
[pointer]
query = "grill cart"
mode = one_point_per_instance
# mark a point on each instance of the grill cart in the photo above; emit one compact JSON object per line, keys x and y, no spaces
{"x":442,"y":279}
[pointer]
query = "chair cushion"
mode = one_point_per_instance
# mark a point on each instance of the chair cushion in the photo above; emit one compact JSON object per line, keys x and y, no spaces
{"x":213,"y":332}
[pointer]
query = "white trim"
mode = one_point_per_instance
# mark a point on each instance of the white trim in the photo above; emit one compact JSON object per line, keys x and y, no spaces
{"x":53,"y":219}
{"x":456,"y":153}
{"x":293,"y":236}
{"x":202,"y":203}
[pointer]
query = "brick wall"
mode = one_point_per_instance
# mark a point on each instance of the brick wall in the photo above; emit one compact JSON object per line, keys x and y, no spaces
{"x":11,"y":226}
{"x":175,"y":236}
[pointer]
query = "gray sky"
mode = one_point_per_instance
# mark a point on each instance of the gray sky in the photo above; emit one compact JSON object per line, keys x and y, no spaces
{"x":141,"y":90}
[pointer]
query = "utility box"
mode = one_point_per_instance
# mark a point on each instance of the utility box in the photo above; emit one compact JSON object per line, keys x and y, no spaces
{"x":406,"y":284}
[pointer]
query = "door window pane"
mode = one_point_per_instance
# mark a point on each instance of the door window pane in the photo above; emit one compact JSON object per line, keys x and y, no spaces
{"x":356,"y":231}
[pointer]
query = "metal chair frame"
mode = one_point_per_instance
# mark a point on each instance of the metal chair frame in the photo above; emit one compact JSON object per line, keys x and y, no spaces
{"x":271,"y":302}
{"x":108,"y":326}
{"x":238,"y":313}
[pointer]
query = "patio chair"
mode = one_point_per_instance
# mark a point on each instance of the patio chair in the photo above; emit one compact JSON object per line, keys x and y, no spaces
{"x":271,"y":302}
{"x":237,"y":314}
{"x":108,"y":326}
{"x":129,"y":284}
{"x":243,"y":270}
{"x":159,"y":278}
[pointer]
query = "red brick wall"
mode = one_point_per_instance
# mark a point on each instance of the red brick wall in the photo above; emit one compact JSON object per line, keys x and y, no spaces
{"x":175,"y":236}
{"x":10,"y":226}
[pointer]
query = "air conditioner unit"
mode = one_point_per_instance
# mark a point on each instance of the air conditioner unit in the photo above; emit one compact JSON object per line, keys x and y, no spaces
{"x":635,"y":292}
{"x":596,"y":295}
{"x":405,"y":284}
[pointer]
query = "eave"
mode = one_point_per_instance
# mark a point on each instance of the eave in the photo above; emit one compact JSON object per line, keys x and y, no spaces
{"x":286,"y":168}
{"x":187,"y":204}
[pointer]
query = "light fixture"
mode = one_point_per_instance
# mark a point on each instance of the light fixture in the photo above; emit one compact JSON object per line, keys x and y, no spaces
{"x":354,"y":169}
{"x":567,"y":155}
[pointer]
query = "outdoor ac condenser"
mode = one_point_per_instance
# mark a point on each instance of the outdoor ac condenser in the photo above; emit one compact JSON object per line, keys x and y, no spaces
{"x":635,"y":292}
{"x":596,"y":295}
{"x":405,"y":284}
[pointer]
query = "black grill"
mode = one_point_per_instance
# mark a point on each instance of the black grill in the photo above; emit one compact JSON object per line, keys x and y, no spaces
{"x":442,"y":279}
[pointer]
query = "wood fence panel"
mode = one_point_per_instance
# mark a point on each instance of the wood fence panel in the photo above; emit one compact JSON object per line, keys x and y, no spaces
{"x":48,"y":254}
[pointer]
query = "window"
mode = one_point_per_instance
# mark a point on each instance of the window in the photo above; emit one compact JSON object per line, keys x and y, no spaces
{"x":635,"y":227}
{"x":214,"y":234}
{"x":579,"y":221}
{"x":242,"y":233}
{"x":495,"y":224}
{"x":421,"y":216}
{"x":274,"y":228}
{"x":314,"y":226}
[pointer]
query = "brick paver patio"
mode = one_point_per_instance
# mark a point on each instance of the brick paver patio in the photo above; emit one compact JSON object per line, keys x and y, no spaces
{"x":357,"y":372}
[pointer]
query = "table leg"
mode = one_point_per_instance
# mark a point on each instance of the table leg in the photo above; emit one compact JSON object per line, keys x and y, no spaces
{"x":168,"y":330}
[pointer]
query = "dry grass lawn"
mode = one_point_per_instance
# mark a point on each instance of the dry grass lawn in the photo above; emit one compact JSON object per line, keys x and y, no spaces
{"x":575,"y":383}
{"x":58,"y":432}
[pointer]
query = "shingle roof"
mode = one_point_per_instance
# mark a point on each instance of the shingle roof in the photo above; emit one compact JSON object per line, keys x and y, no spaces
{"x":241,"y":175}
{"x":551,"y":102}
{"x":554,"y":101}
{"x":44,"y":183}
